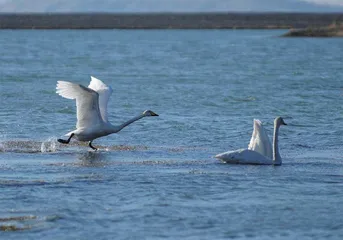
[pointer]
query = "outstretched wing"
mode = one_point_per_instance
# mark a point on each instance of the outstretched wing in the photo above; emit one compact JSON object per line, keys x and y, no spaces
{"x":87,"y":103}
{"x":259,"y":141}
{"x":104,"y":92}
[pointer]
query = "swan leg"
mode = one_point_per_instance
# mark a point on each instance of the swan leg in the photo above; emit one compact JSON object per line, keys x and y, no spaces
{"x":90,"y":145}
{"x":65,"y":141}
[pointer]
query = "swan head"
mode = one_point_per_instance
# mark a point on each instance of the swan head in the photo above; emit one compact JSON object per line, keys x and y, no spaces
{"x":149,"y":113}
{"x":279,"y":121}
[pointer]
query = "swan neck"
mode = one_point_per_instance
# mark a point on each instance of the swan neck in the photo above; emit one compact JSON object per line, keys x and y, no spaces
{"x":276,"y":155}
{"x":116,"y":129}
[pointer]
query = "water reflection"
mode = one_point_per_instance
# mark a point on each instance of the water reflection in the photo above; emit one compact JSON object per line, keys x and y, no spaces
{"x":93,"y":159}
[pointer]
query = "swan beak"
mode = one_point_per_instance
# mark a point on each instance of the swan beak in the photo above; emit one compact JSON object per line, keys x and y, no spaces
{"x":154,"y":114}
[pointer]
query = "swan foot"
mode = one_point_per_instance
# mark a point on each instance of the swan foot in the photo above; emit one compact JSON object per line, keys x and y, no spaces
{"x":91,"y":146}
{"x":65,"y":141}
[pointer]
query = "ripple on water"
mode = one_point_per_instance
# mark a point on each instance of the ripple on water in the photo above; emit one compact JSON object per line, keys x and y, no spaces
{"x":151,"y":179}
{"x":21,"y":146}
{"x":51,"y":145}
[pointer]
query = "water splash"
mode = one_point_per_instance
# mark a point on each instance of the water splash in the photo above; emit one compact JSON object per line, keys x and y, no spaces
{"x":49,"y":145}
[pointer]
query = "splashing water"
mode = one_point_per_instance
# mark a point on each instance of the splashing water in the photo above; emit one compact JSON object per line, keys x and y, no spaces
{"x":49,"y":145}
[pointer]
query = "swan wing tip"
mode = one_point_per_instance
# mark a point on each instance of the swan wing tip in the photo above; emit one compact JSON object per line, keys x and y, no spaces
{"x":97,"y":84}
{"x":257,"y":121}
{"x":66,"y":89}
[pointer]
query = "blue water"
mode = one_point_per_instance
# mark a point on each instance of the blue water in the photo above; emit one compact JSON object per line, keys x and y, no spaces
{"x":157,"y":178}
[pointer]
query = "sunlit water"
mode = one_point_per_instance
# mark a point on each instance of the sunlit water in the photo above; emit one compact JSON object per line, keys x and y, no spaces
{"x":157,"y":178}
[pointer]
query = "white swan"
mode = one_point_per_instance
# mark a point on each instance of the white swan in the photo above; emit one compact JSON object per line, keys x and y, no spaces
{"x":259,"y":150}
{"x":91,"y":107}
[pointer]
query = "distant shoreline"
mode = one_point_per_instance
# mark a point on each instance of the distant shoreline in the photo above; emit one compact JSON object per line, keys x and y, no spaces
{"x":333,"y":30}
{"x":235,"y":20}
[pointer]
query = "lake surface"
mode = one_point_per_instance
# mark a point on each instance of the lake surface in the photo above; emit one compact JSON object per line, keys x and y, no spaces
{"x":157,"y":178}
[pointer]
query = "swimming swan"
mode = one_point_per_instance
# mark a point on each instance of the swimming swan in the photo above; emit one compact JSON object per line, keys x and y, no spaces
{"x":259,"y":150}
{"x":91,"y":108}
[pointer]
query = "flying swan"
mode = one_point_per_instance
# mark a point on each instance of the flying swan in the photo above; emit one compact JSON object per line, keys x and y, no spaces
{"x":259,"y":150}
{"x":91,"y":108}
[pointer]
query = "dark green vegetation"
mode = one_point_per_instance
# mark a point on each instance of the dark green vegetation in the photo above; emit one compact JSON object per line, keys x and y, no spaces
{"x":169,"y":20}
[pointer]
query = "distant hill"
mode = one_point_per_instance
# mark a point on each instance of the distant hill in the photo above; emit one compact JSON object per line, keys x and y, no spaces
{"x":168,"y":20}
{"x":140,"y":6}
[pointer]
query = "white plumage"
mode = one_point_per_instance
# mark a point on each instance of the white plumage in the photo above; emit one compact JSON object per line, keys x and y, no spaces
{"x":87,"y":104}
{"x":91,"y":107}
{"x":259,"y":150}
{"x":104,"y":95}
{"x":259,"y":141}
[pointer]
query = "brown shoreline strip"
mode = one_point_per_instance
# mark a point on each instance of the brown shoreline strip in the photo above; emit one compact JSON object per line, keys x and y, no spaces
{"x":333,"y":30}
{"x":17,"y":218}
{"x":167,"y":20}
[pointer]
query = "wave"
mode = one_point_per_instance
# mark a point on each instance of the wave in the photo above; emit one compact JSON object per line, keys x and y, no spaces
{"x":51,"y":146}
{"x":26,"y":146}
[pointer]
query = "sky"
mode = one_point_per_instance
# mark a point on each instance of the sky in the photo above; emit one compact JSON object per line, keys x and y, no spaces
{"x":327,"y":2}
{"x":171,"y":5}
